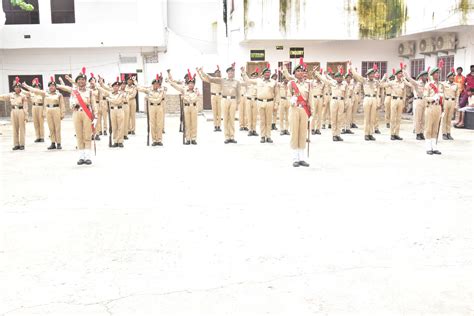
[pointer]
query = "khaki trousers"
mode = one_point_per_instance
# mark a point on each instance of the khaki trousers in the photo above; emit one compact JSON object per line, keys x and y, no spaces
{"x":126,"y":118}
{"x":284,"y":111}
{"x":216,"y":109}
{"x":265,"y":112}
{"x":132,"y":104}
{"x":370,"y":112}
{"x":432,"y":116}
{"x":326,"y":111}
{"x":116,"y":119}
{"x":228,"y":111}
{"x":18,"y":118}
{"x":298,"y":127}
{"x":387,"y":106}
{"x":316,"y":110}
{"x":156,"y":122}
{"x":102,"y":116}
{"x":243,"y":115}
{"x":355,"y":106}
{"x":190,"y":121}
{"x":53,"y":117}
{"x":37,"y":111}
{"x":252,"y":114}
{"x":348,"y":117}
{"x":420,"y":106}
{"x":337,"y":113}
{"x":396,"y":108}
{"x":83,"y":128}
{"x":448,"y":114}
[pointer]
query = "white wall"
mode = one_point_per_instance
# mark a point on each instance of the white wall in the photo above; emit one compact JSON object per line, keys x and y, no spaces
{"x":104,"y":23}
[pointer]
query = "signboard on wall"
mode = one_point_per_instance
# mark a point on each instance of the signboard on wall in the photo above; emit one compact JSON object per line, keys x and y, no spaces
{"x":296,"y":52}
{"x":257,"y":55}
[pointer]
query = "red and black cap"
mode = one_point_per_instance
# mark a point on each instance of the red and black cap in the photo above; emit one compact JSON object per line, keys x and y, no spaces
{"x":82,"y":74}
{"x":158,"y":79}
{"x":189,"y":78}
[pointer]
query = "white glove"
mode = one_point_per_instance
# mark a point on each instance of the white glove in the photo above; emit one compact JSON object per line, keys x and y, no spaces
{"x":293,"y":100}
{"x":94,"y":122}
{"x":436,"y":97}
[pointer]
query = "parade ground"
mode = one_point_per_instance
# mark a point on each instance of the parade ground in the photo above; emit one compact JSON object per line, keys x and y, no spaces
{"x":370,"y":228}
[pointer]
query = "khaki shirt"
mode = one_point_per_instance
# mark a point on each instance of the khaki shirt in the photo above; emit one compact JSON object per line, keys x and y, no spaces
{"x":283,"y":90}
{"x":16,"y":100}
{"x":303,"y":87}
{"x":338,"y":90}
{"x":430,"y":93}
{"x":371,"y":87}
{"x":131,"y":91}
{"x":451,"y":90}
{"x":266,"y":89}
{"x":317,"y":88}
{"x":154,"y":96}
{"x":229,"y":87}
{"x":397,"y":86}
{"x":189,"y":96}
{"x":216,"y":88}
{"x":37,"y":99}
{"x":114,"y":98}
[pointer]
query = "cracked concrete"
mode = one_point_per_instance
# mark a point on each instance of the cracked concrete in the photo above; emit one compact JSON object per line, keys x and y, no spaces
{"x":369,"y":229}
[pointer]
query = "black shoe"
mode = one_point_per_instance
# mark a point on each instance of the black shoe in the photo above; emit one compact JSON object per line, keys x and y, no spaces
{"x":449,"y":137}
{"x":129,"y":133}
{"x":100,"y":133}
{"x":269,"y":140}
{"x":262,"y":140}
{"x":37,"y":140}
{"x":334,"y":139}
{"x":22,"y":147}
{"x":218,"y":129}
{"x":353,"y":125}
{"x":371,"y":137}
{"x":313,"y":132}
{"x":59,"y":146}
{"x":16,"y":148}
{"x":215,"y":128}
{"x":97,"y":137}
{"x":133,"y":132}
{"x":227,"y":141}
{"x":105,"y":133}
{"x":242,"y":129}
{"x":194,"y":142}
{"x":250,"y":133}
{"x":296,"y":164}
{"x":247,"y":129}
{"x":187,"y":142}
{"x":125,"y":137}
{"x":164,"y":131}
{"x":329,"y":125}
{"x":41,"y":140}
{"x":377,"y":131}
{"x":303,"y":163}
{"x":154,"y":144}
{"x":429,"y":152}
{"x":115,"y":145}
{"x":366,"y":137}
{"x":339,"y":139}
{"x":348,"y":131}
{"x":120,"y":145}
{"x":422,"y":136}
{"x":159,"y":143}
{"x":324,"y":126}
{"x":233,"y":141}
{"x":343,"y":131}
{"x":88,"y":162}
{"x":436,"y":152}
{"x":392,"y":137}
{"x":282,"y":133}
{"x":288,"y":133}
{"x":398,"y":137}
{"x":52,"y":146}
{"x":388,"y":125}
{"x":418,"y":136}
{"x":318,"y":132}
{"x":445,"y":137}
{"x":80,"y":162}
{"x":254,"y":133}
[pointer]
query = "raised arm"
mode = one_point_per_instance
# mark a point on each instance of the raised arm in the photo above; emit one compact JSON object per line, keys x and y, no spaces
{"x":355,"y":74}
{"x":322,"y":78}
{"x":33,"y":90}
{"x":105,"y":92}
{"x":63,"y":87}
{"x":143,"y":89}
{"x":177,"y":86}
{"x":247,"y":80}
{"x":205,"y":77}
{"x":286,"y":74}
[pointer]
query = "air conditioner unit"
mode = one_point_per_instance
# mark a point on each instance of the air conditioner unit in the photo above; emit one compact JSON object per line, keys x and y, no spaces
{"x":446,"y":42}
{"x":426,"y":45}
{"x":407,"y":49}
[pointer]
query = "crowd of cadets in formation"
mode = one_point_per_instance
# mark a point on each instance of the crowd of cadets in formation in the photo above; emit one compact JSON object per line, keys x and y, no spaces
{"x":330,"y":99}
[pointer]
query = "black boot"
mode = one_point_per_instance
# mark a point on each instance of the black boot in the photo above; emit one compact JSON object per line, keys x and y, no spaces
{"x":269,"y":140}
{"x":16,"y":148}
{"x":105,"y":133}
{"x":398,"y":137}
{"x":313,"y":132}
{"x":334,"y":139}
{"x":52,"y":146}
{"x":262,"y":140}
{"x":418,"y":136}
{"x":388,"y":125}
{"x":37,"y":140}
{"x":97,"y":137}
{"x":392,"y":137}
{"x":194,"y":142}
{"x":377,"y":131}
{"x":329,"y":125}
{"x":348,"y":131}
{"x":59,"y":146}
{"x":366,"y":137}
{"x":422,"y":136}
{"x":449,"y":137}
{"x":445,"y":137}
{"x":371,"y":137}
{"x":282,"y":133}
{"x":343,"y":131}
{"x":318,"y":132}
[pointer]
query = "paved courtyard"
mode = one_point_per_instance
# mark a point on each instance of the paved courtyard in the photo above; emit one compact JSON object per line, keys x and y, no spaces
{"x":370,"y":228}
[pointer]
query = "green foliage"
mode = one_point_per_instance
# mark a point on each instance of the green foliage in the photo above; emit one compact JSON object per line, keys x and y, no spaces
{"x":23,"y":5}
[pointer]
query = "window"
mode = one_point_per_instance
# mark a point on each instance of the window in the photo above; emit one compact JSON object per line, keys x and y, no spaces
{"x":62,"y":11}
{"x":288,"y":66}
{"x":15,"y":15}
{"x":370,"y":64}
{"x":448,"y":64}
{"x":24,"y":78}
{"x":416,"y":66}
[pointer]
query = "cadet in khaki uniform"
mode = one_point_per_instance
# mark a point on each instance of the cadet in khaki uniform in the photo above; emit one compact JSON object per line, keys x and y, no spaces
{"x":284,"y":107}
{"x":55,"y":111}
{"x":82,"y":122}
{"x":230,"y":98}
{"x":326,"y":101}
{"x":97,"y":96}
{"x":370,"y":86}
{"x":125,"y":106}
{"x":190,"y":102}
{"x":115,"y":98}
{"x":357,"y":98}
{"x":216,"y":97}
{"x":398,"y":87}
{"x":450,"y":102}
{"x":19,"y":114}
{"x":101,"y":104}
{"x":251,"y":100}
{"x":433,"y":95}
{"x":38,"y":112}
{"x":388,"y":100}
{"x":317,"y":104}
{"x":337,"y":105}
{"x":349,"y":104}
{"x":298,"y":115}
{"x":243,"y":105}
{"x":267,"y":97}
{"x":419,"y":102}
{"x":131,"y":91}
{"x":275,"y":108}
{"x":156,"y":100}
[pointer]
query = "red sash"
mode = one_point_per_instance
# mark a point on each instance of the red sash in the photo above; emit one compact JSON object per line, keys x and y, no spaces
{"x":83,"y":104}
{"x":435,"y":89}
{"x":301,"y":100}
